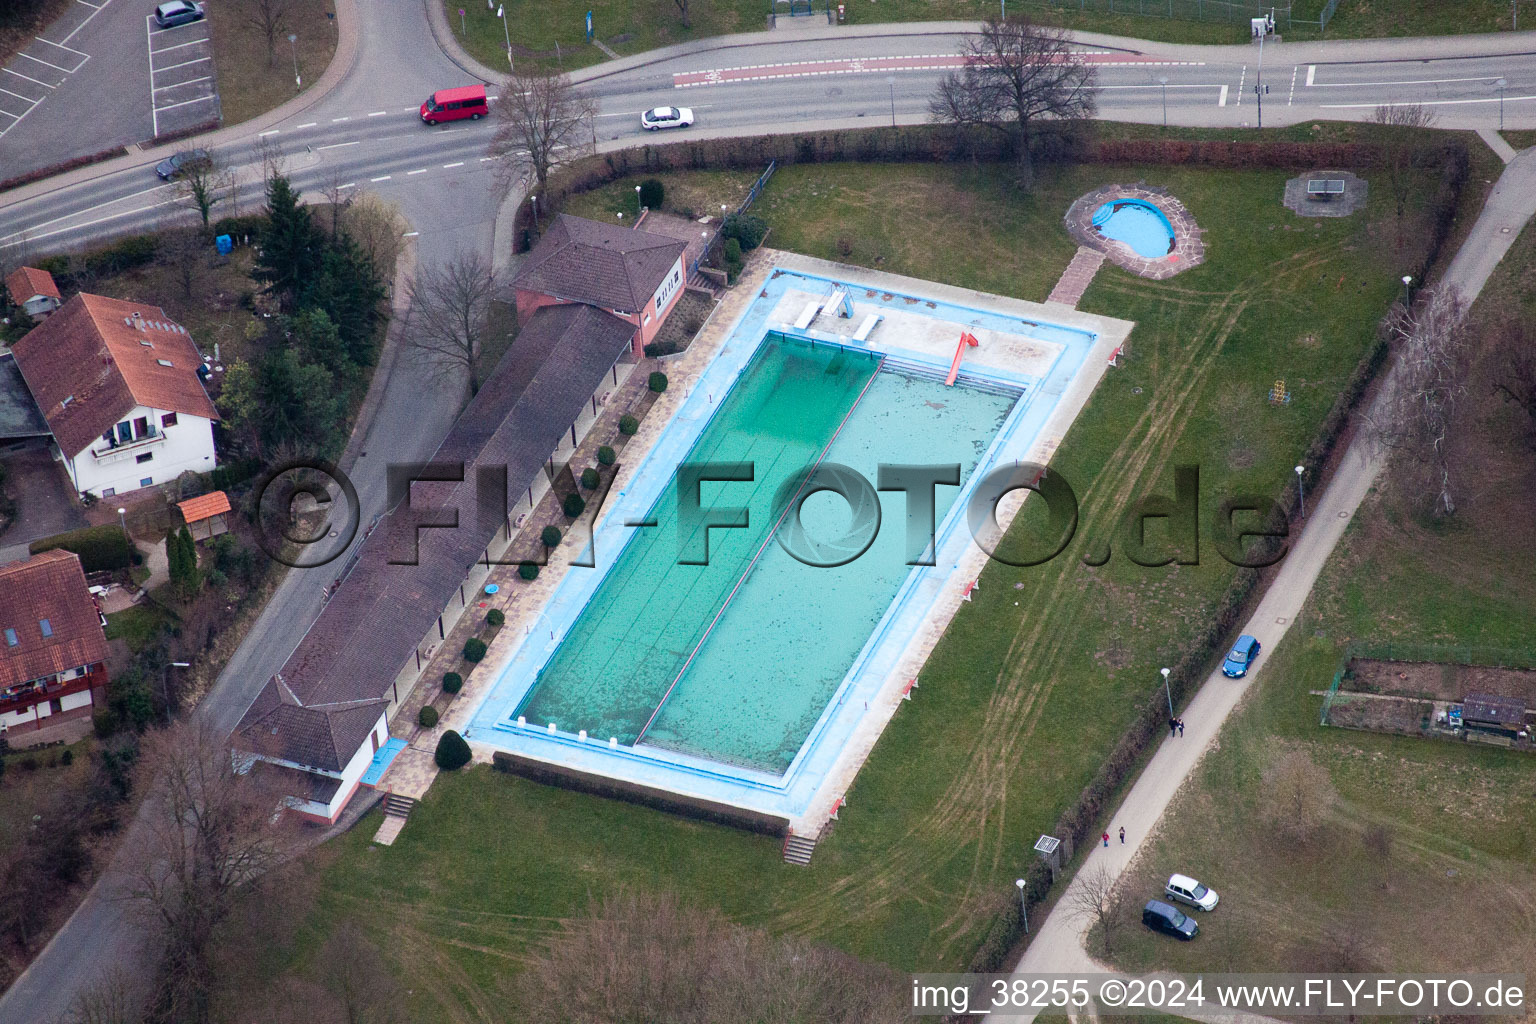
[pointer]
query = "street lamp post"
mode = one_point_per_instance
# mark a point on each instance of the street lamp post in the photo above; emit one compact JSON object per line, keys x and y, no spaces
{"x":1500,"y":84}
{"x":165,"y":688}
{"x":1407,"y":280}
{"x":1023,"y":905}
{"x":1168,"y":691}
{"x":890,"y":80}
{"x":1162,"y":80}
{"x":535,"y":201}
{"x":1258,"y":82}
{"x":1301,"y":492}
{"x":293,"y":43}
{"x":122,"y":519}
{"x":501,"y":12}
{"x":638,"y":208}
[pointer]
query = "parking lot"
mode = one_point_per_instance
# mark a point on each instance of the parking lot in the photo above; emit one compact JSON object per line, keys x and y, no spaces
{"x":182,"y":89}
{"x":45,"y":64}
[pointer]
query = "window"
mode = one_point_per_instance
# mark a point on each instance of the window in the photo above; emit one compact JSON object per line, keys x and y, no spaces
{"x":107,"y":492}
{"x":10,"y":637}
{"x":168,"y":420}
{"x":124,"y":432}
{"x":45,"y":626}
{"x":145,"y":457}
{"x":146,"y":481}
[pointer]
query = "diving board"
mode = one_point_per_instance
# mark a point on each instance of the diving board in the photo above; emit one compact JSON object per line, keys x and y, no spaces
{"x":862,"y":334}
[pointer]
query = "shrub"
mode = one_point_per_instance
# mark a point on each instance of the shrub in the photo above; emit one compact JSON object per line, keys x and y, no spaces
{"x":606,"y":456}
{"x":427,"y":716}
{"x":101,"y":548}
{"x":658,"y":381}
{"x":67,"y":758}
{"x":660,"y":348}
{"x":628,"y":425}
{"x":550,"y":535}
{"x":528,"y":571}
{"x":652,"y":193}
{"x":452,"y":682}
{"x":844,"y":246}
{"x":495,"y":617}
{"x":474,"y":649}
{"x":732,"y":251}
{"x":452,"y":752}
{"x":745,"y":228}
{"x":589,"y":478}
{"x":574,"y":505}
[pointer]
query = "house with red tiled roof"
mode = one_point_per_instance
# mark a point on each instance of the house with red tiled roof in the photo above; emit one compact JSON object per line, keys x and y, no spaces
{"x":53,"y":652}
{"x":636,"y":276}
{"x":34,"y":291}
{"x":120,"y":385}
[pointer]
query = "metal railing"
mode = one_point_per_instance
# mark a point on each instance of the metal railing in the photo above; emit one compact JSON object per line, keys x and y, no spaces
{"x":752,"y":194}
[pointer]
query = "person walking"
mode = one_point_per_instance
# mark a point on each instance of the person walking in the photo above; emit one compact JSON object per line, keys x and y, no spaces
{"x":1122,"y":835}
{"x":1173,"y":727}
{"x":1181,"y":727}
{"x":1106,"y":838}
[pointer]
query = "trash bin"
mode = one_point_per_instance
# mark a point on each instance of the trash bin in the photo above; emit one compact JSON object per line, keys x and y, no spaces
{"x":224,"y":244}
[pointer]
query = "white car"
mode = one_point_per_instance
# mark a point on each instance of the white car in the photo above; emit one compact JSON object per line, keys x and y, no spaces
{"x":1187,"y":890}
{"x":658,"y":118}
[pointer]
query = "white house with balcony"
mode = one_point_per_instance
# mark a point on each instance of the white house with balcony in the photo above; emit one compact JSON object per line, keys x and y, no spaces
{"x":120,"y":385}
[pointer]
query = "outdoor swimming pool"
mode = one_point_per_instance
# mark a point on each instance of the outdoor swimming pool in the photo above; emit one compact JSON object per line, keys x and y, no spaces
{"x":740,"y":680}
{"x":1138,"y":224}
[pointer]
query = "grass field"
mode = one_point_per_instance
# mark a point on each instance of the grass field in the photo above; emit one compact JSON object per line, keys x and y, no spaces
{"x":635,"y":26}
{"x":249,"y":84}
{"x":1408,"y":816}
{"x":1033,"y":682}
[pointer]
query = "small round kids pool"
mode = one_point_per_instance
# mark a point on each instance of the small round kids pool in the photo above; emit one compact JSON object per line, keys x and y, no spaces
{"x":1138,"y":224}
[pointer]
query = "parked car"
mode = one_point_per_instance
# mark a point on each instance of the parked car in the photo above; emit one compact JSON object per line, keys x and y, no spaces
{"x":181,"y":163}
{"x":467,"y":101}
{"x":658,"y":118}
{"x":1240,"y":657}
{"x":178,"y":12}
{"x":1170,"y":920}
{"x":1187,"y":890}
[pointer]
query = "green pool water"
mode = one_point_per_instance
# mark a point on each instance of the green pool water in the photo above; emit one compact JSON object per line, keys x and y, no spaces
{"x":790,"y":632}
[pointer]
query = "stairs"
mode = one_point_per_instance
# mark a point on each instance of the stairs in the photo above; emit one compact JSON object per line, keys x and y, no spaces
{"x":798,"y":849}
{"x":396,"y":809}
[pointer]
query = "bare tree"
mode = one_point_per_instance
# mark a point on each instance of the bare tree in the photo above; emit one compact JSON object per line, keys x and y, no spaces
{"x":682,"y":9}
{"x":448,"y":315}
{"x":113,"y":998}
{"x":1017,"y":75}
{"x":185,"y":251}
{"x":338,"y":197}
{"x":1416,"y":414}
{"x":1399,"y":146}
{"x":204,"y":183}
{"x":1298,"y":793}
{"x":209,"y":838}
{"x":1514,"y":348}
{"x":542,"y":120}
{"x":378,"y":228}
{"x":357,"y":976}
{"x":1096,"y":898}
{"x":270,"y":18}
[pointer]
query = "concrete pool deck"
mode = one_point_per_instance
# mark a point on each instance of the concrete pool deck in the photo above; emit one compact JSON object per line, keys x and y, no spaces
{"x":909,"y":329}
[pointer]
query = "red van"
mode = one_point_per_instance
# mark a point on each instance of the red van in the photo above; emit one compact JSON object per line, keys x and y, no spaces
{"x":455,"y":104}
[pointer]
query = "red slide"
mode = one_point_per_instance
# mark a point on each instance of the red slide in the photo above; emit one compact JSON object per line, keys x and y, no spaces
{"x":966,"y":338}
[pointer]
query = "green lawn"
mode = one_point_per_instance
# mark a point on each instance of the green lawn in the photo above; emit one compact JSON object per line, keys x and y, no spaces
{"x":137,"y":626}
{"x":1460,"y":818}
{"x":635,"y":26}
{"x":1034,"y":681}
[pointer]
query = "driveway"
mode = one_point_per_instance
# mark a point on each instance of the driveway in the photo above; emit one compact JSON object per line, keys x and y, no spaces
{"x":43,"y":497}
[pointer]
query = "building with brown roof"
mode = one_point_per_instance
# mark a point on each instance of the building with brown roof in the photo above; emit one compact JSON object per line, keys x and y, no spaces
{"x":34,"y":291}
{"x":121,"y":387}
{"x":53,"y":652}
{"x":634,"y":275}
{"x":321,"y":718}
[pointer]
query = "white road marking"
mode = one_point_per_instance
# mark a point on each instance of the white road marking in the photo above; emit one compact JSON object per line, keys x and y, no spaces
{"x":178,"y":46}
{"x":1406,"y":81}
{"x":459,"y":164}
{"x":336,"y":119}
{"x":190,"y":81}
{"x":350,"y":184}
{"x":1223,"y":100}
{"x":18,"y":74}
{"x":154,"y":111}
{"x":410,"y":234}
{"x":270,"y":131}
{"x":1311,"y":70}
{"x":1427,"y":103}
{"x":184,"y":103}
{"x":70,"y":49}
{"x":378,"y":113}
{"x":43,"y":62}
{"x":183,"y":64}
{"x":19,"y":96}
{"x":339,"y":145}
{"x":382,"y":177}
{"x":1240,"y":80}
{"x":1292,"y":98}
{"x":87,"y":21}
{"x":307,"y":124}
{"x":486,"y":159}
{"x":419,"y":170}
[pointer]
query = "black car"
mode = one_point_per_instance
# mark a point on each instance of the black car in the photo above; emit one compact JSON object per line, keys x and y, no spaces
{"x":1168,"y":919}
{"x":175,"y":166}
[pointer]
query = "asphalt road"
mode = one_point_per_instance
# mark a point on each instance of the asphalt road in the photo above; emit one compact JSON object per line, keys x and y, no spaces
{"x":365,"y":133}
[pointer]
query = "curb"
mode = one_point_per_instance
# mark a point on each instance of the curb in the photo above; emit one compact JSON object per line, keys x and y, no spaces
{"x":405,"y":268}
{"x":442,"y":34}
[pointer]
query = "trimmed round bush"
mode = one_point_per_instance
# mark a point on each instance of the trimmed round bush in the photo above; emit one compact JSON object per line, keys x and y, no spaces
{"x":550,"y":536}
{"x":474,"y":649}
{"x":452,"y":752}
{"x":607,"y":456}
{"x":745,"y":228}
{"x":574,"y":505}
{"x":658,"y":382}
{"x":589,"y":478}
{"x":528,"y":571}
{"x":628,"y":425}
{"x":652,"y":193}
{"x":427,"y":716}
{"x":452,"y":682}
{"x":495,"y":617}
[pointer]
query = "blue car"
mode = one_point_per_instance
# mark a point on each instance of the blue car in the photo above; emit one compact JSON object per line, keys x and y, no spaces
{"x":1240,"y":657}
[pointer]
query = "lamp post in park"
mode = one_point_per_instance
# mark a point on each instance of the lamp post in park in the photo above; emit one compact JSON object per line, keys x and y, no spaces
{"x":890,"y":80}
{"x":1023,"y":905}
{"x":1407,"y":280}
{"x":639,"y":209}
{"x":1500,"y":84}
{"x":1168,"y":691}
{"x":1162,"y":80}
{"x":293,"y":43}
{"x":501,"y":12}
{"x":1301,"y":492}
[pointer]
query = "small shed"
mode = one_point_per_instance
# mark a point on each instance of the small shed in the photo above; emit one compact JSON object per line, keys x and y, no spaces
{"x":34,"y":291}
{"x":1493,"y":713}
{"x":212,"y":508}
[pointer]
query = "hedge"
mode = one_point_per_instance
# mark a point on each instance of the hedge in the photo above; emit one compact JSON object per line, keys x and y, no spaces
{"x":528,"y":571}
{"x":606,"y":456}
{"x":427,"y":716}
{"x":452,"y":752}
{"x":657,"y":381}
{"x":495,"y":617}
{"x":574,"y":505}
{"x":590,"y":479}
{"x":550,"y":535}
{"x":474,"y":649}
{"x":628,"y":425}
{"x":101,"y":548}
{"x":452,"y":682}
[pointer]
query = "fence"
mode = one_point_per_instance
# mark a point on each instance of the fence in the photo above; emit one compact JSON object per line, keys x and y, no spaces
{"x":752,"y":194}
{"x":1237,"y":12}
{"x":1434,"y":654}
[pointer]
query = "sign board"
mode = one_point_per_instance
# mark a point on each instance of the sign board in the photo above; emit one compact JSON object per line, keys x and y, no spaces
{"x":589,"y":26}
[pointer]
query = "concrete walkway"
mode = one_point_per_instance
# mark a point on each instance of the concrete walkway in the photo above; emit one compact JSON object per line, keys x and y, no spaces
{"x":1077,"y":277}
{"x":1058,"y":941}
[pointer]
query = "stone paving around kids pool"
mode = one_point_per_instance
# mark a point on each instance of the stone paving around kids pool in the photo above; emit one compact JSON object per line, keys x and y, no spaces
{"x":1188,"y":247}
